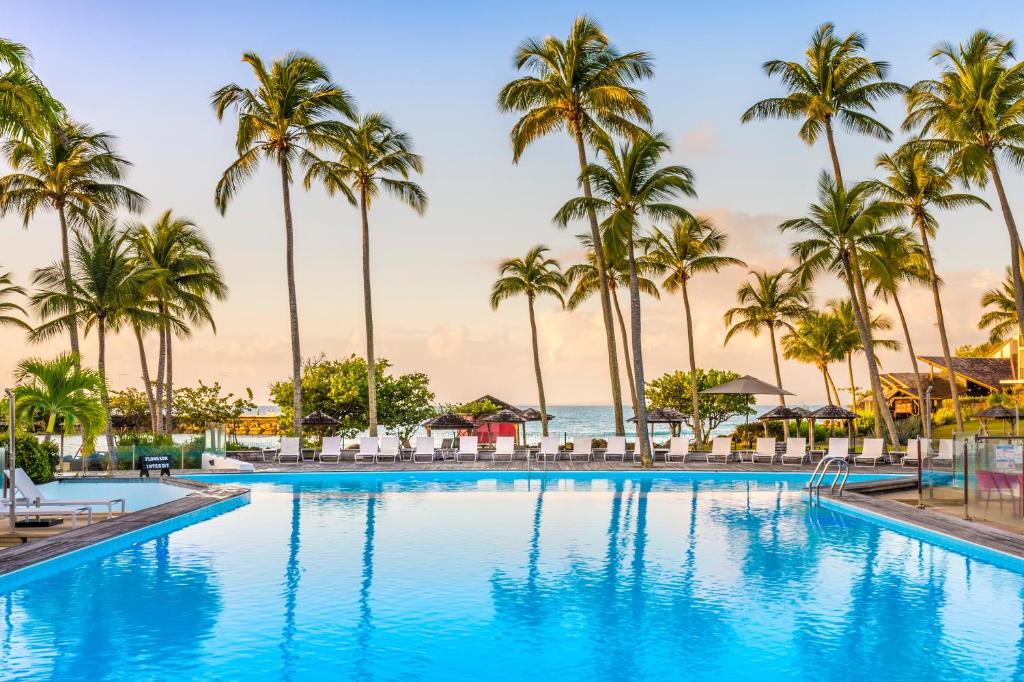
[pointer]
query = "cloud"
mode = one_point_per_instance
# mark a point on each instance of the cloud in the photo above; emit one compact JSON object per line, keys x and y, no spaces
{"x":701,"y":140}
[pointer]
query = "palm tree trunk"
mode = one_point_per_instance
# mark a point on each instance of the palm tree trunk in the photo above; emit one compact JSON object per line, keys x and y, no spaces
{"x":145,"y":377}
{"x":293,"y":306}
{"x":853,"y":283}
{"x":913,"y":359}
{"x":853,"y":385}
{"x":161,"y":369}
{"x":933,"y":283}
{"x":835,"y":391}
{"x":697,"y":435}
{"x":68,"y":283}
{"x":1011,"y":228}
{"x":101,"y":367}
{"x":169,"y":386}
{"x":606,"y":307}
{"x":638,"y":359}
{"x":778,"y":376}
{"x":371,"y":362}
{"x":536,"y":370}
{"x":832,"y":152}
{"x":625,"y":348}
{"x":828,"y":393}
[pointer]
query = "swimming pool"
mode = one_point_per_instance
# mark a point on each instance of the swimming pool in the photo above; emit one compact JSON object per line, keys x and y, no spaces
{"x":495,"y":575}
{"x":137,"y":494}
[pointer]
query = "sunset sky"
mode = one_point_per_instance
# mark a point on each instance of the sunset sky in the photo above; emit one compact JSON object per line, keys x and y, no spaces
{"x":145,"y":71}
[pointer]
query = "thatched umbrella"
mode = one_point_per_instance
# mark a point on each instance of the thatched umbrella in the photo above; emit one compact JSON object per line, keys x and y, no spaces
{"x":449,"y":421}
{"x":784,"y":413}
{"x":833,"y":413}
{"x":505,"y":416}
{"x":996,"y":412}
{"x":664,"y":415}
{"x":318,"y":418}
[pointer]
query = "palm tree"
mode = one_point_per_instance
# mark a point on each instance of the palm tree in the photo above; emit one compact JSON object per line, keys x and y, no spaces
{"x":105,"y":294}
{"x":584,"y":278}
{"x":26,"y":107}
{"x":835,"y":82}
{"x":9,"y":311}
{"x":177,"y":270}
{"x":371,"y":155}
{"x":917,"y":183}
{"x":833,"y":232}
{"x":75,"y":173}
{"x":584,"y":86}
{"x":629,"y":187}
{"x":1000,"y":318}
{"x":774,"y":301}
{"x":842,"y":310}
{"x":896,"y":260}
{"x":288,"y":111}
{"x":973,"y":114}
{"x":690,"y":246}
{"x":61,"y":389}
{"x":533,"y":275}
{"x":816,"y":340}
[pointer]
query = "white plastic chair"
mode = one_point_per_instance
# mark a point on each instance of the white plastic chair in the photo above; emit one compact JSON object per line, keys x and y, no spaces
{"x":616,"y":448}
{"x":369,"y":446}
{"x":945,"y":454}
{"x":764,"y":451}
{"x":871,"y":454}
{"x":582,"y":447}
{"x":504,"y":446}
{"x":291,"y":448}
{"x":678,"y":447}
{"x":330,"y":446}
{"x":468,"y":448}
{"x":838,"y":448}
{"x":796,"y":449}
{"x":424,"y":448}
{"x":548,"y":448}
{"x":391,"y":447}
{"x":721,"y":447}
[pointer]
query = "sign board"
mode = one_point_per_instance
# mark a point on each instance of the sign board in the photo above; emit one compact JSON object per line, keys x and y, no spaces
{"x":161,"y":463}
{"x":1008,"y":457}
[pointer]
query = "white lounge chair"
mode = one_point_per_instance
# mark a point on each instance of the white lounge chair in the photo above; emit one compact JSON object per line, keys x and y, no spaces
{"x":369,"y":446}
{"x":871,"y":454}
{"x":549,"y":448}
{"x":764,"y":452}
{"x":945,"y":454}
{"x":424,"y":448}
{"x":796,"y":451}
{"x":913,"y":451}
{"x":330,"y":446}
{"x":390,"y":447}
{"x":616,"y":448}
{"x":291,"y":448}
{"x":32,"y":511}
{"x":32,"y":496}
{"x":721,"y":447}
{"x":838,"y":448}
{"x":504,"y":447}
{"x":678,"y":447}
{"x":582,"y":447}
{"x":448,"y":449}
{"x":468,"y":448}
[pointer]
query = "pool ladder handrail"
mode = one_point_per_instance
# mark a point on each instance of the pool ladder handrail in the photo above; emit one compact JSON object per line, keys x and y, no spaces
{"x":818,"y":477}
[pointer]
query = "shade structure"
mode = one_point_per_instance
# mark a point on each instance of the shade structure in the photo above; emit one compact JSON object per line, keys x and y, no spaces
{"x":318,"y":418}
{"x":833,"y":413}
{"x":532,"y":414}
{"x":784,"y":412}
{"x":747,"y":385}
{"x":449,"y":420}
{"x":506,"y":416}
{"x":996,"y":412}
{"x":663,"y":415}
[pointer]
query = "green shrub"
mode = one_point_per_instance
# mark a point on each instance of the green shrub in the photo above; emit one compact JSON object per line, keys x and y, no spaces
{"x":38,"y":459}
{"x":943,"y":416}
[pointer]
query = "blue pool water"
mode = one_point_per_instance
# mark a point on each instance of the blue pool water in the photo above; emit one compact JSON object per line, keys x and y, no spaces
{"x":499,"y":576}
{"x":136,"y":494}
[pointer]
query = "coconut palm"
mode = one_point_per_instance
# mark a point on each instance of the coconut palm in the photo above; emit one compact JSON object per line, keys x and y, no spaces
{"x":75,"y":172}
{"x":583,"y":278}
{"x":689,"y":246}
{"x":842,"y":310}
{"x":973,"y":114}
{"x":26,"y":107}
{"x":1000,"y":316}
{"x":628,"y":187}
{"x":816,"y":340}
{"x":583,"y":86}
{"x":11,"y":313}
{"x":289,"y":110}
{"x":916,"y":182}
{"x":532,"y":276}
{"x":833,"y":232}
{"x":60,"y":389}
{"x":106,"y":293}
{"x":774,"y":301}
{"x":176,"y":269}
{"x":836,"y":82}
{"x":373,"y":154}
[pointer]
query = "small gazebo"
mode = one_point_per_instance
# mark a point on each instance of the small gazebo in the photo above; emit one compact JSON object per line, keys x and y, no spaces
{"x":833,"y":413}
{"x":506,"y":416}
{"x":784,"y":413}
{"x":664,"y":415}
{"x":996,"y":412}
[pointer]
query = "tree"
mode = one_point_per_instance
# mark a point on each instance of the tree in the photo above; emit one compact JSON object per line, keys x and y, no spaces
{"x":60,"y":389}
{"x":973,"y":114}
{"x":842,"y":310}
{"x":132,"y":404}
{"x":76,"y":173}
{"x":532,"y":276}
{"x":816,"y":340}
{"x":27,"y":108}
{"x":773,"y":301}
{"x":835,"y":82}
{"x":288,"y":111}
{"x":11,"y":313}
{"x":833,"y":232}
{"x":674,"y":390}
{"x":690,"y":246}
{"x":1000,"y":316}
{"x":583,"y":278}
{"x":916,"y":183}
{"x":584,"y":86}
{"x":204,"y":404}
{"x":105,"y":293}
{"x":371,"y":155}
{"x":628,"y":187}
{"x":177,"y":269}
{"x":406,"y":402}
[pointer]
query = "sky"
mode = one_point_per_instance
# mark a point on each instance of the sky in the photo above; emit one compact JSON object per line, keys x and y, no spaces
{"x":145,"y":71}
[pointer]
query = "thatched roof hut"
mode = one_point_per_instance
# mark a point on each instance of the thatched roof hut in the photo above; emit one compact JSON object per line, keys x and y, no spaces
{"x":833,"y":413}
{"x":663,"y":415}
{"x":449,"y":420}
{"x":532,"y":414}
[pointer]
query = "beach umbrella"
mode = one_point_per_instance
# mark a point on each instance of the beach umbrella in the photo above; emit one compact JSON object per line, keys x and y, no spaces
{"x":318,"y":418}
{"x":833,"y":413}
{"x":505,"y":416}
{"x":748,"y":386}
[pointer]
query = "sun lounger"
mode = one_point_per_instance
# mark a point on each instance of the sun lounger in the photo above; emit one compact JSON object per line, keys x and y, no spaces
{"x":448,"y":448}
{"x":678,"y":447}
{"x":721,"y":447}
{"x":467,"y":449}
{"x":796,"y":451}
{"x":390,"y":447}
{"x":838,"y":448}
{"x":330,"y":447}
{"x":290,"y":448}
{"x":912,"y":453}
{"x":504,"y":449}
{"x":764,"y":452}
{"x":872,"y":453}
{"x":582,"y":448}
{"x":27,"y":510}
{"x":945,"y":455}
{"x":548,"y":448}
{"x":369,"y":446}
{"x":34,"y":497}
{"x":616,"y":448}
{"x":424,"y":449}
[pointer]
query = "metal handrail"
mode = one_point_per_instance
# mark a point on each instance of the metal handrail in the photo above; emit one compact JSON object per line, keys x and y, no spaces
{"x":816,"y":482}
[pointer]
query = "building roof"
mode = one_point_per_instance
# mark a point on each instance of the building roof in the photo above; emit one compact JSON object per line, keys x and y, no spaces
{"x":985,"y":371}
{"x":906,"y":383}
